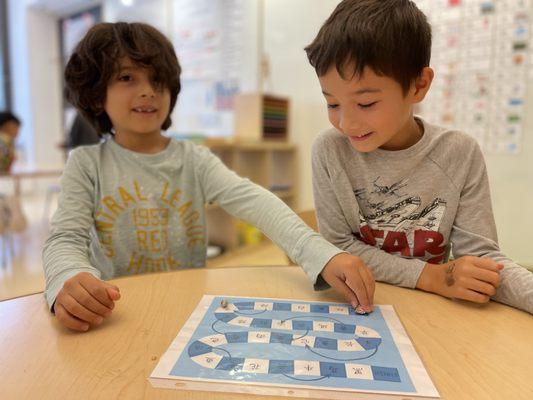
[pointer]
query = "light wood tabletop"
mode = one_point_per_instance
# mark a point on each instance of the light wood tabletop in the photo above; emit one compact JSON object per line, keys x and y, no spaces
{"x":470,"y":352}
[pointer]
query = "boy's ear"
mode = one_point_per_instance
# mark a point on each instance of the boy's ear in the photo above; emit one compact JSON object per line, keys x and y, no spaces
{"x":422,"y":84}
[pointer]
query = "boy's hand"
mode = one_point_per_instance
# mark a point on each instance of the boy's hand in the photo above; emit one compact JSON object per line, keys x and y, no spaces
{"x":468,"y":278}
{"x":85,"y":301}
{"x":349,"y":275}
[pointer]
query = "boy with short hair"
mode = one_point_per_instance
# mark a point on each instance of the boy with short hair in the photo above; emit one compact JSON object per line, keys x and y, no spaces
{"x":389,"y":187}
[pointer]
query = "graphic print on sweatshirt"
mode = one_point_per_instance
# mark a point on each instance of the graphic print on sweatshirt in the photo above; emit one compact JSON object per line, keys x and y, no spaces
{"x":399,"y":223}
{"x":135,"y":228}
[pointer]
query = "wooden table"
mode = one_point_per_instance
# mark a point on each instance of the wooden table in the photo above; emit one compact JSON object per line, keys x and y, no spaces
{"x":470,"y":352}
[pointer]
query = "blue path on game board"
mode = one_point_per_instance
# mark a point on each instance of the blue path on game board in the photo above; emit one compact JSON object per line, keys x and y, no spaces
{"x":202,"y":351}
{"x":318,"y":344}
{"x":205,"y":355}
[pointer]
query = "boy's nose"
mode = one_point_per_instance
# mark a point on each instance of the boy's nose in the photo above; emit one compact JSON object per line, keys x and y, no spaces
{"x":147,"y":90}
{"x":148,"y":93}
{"x":349,"y":124}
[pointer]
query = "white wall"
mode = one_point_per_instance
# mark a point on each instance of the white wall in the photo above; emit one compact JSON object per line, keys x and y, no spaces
{"x":288,"y":27}
{"x":35,"y":68}
{"x":154,"y":12}
{"x":46,"y":98}
{"x":511,"y":179}
{"x":19,"y":65}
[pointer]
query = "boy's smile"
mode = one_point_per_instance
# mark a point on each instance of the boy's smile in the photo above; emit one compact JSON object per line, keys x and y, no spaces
{"x":137,"y":107}
{"x":372,"y":110}
{"x":145,"y":110}
{"x":360,"y":138}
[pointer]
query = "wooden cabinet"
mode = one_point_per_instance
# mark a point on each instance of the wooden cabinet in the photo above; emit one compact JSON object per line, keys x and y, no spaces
{"x":269,"y":164}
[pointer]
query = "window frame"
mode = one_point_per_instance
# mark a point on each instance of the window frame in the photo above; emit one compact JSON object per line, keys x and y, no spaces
{"x":5,"y":88}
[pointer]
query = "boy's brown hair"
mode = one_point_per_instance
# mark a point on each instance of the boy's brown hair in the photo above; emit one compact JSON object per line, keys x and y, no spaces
{"x":96,"y":60}
{"x":7,"y":116}
{"x":392,"y":37}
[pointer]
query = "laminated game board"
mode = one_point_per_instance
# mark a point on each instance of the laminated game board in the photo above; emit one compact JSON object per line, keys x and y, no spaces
{"x":292,"y":347}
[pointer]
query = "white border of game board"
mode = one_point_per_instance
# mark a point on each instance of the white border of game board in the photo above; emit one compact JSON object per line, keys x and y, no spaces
{"x":160,"y":376}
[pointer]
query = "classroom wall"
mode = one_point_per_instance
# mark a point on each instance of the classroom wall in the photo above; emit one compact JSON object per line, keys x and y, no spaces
{"x":35,"y":67}
{"x":288,"y":27}
{"x":511,"y":179}
{"x":155,"y":12}
{"x":46,"y":99}
{"x":20,"y":82}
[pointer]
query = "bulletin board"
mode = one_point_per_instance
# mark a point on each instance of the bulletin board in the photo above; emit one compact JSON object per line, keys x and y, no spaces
{"x":481,"y":55}
{"x":217,"y":44}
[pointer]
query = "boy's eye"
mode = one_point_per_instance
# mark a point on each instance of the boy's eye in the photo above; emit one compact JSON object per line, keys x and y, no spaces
{"x":367,"y":105}
{"x":124,"y":78}
{"x":332,"y":106}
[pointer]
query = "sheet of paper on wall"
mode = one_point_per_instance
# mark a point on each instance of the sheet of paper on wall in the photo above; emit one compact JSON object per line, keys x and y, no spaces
{"x":530,"y":57}
{"x":212,"y":40}
{"x":293,"y":348}
{"x":481,"y":52}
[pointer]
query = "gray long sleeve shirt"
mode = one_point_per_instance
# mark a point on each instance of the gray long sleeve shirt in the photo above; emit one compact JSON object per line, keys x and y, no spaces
{"x":399,"y":210}
{"x":123,"y":213}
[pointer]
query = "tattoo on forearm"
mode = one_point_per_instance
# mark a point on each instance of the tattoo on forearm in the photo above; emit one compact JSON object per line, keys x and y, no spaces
{"x":450,"y":280}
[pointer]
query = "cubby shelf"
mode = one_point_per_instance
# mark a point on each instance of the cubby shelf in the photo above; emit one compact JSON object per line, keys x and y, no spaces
{"x":269,"y":164}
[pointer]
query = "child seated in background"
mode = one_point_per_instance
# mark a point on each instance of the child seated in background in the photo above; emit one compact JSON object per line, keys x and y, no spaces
{"x":136,"y":202}
{"x":390,"y":187}
{"x":9,"y":130}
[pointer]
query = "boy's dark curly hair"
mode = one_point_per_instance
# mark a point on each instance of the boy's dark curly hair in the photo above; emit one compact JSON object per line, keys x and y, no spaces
{"x":96,"y":59}
{"x":7,"y":116}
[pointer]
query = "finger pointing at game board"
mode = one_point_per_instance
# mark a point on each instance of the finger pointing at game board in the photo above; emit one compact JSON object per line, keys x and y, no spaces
{"x":350,"y":276}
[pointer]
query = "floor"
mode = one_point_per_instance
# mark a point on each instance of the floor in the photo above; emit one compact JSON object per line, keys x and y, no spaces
{"x":21,"y":272}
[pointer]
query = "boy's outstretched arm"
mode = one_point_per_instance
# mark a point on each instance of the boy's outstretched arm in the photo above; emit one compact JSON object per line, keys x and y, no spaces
{"x":259,"y":207}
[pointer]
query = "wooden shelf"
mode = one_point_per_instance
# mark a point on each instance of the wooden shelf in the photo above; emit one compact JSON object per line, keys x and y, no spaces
{"x":269,"y":164}
{"x":284,"y":194}
{"x":249,"y":145}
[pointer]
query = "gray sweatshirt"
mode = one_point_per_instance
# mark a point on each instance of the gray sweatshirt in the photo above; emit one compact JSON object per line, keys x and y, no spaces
{"x":123,"y":213}
{"x":398,"y":210}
